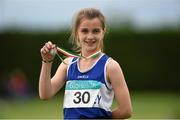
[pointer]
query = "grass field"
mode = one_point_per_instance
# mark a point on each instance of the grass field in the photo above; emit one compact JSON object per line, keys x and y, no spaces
{"x":146,"y":105}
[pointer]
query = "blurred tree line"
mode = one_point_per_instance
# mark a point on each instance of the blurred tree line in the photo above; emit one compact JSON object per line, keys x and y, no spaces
{"x":150,"y":60}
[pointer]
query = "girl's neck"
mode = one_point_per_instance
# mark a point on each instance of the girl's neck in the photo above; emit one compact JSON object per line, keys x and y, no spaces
{"x":87,"y":54}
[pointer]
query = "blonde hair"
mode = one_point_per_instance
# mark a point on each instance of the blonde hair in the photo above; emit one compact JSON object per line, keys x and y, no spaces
{"x":89,"y":13}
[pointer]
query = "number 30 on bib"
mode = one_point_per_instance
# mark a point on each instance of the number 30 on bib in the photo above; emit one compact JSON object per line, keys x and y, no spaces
{"x":80,"y":98}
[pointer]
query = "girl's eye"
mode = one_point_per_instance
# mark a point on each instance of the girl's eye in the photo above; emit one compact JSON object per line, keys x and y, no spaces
{"x":96,"y":31}
{"x":84,"y":30}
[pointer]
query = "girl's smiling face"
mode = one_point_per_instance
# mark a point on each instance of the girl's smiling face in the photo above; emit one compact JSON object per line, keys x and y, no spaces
{"x":90,"y":34}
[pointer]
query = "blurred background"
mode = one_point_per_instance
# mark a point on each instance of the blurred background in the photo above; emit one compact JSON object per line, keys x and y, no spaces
{"x":143,"y":36}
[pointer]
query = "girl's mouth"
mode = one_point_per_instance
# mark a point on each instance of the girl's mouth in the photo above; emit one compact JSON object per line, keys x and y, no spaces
{"x":90,"y":42}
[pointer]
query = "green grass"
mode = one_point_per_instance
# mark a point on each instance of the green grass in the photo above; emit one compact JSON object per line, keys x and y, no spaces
{"x":146,"y":105}
{"x":156,"y":105}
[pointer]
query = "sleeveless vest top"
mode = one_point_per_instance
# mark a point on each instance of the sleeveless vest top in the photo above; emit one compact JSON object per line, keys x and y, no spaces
{"x":88,"y":94}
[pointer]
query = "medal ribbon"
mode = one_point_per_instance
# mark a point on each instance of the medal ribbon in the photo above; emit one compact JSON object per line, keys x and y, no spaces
{"x":58,"y":50}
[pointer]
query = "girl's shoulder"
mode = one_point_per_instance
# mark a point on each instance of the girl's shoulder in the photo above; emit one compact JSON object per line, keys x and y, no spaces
{"x":112,"y":65}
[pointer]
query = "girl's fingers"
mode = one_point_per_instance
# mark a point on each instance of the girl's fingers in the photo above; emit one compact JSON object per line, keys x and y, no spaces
{"x":45,"y":50}
{"x":50,"y":45}
{"x":47,"y":46}
{"x":53,"y":46}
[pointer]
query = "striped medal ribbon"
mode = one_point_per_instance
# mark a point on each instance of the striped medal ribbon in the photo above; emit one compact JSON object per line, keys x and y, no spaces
{"x":58,"y":50}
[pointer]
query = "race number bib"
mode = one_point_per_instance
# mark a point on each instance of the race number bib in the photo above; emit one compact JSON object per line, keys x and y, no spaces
{"x":81,"y":93}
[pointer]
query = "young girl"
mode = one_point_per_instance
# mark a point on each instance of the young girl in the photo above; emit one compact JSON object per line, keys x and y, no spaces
{"x":91,"y":81}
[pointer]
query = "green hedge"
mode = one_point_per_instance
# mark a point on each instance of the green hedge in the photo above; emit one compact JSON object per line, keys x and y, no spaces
{"x":150,"y":61}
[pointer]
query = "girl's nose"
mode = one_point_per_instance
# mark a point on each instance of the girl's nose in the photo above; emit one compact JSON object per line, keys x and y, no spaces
{"x":90,"y":36}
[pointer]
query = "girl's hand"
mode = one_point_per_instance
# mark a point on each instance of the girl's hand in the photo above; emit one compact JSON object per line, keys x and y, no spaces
{"x":46,"y":55}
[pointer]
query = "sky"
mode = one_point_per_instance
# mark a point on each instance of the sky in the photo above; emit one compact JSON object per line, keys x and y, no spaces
{"x":57,"y":14}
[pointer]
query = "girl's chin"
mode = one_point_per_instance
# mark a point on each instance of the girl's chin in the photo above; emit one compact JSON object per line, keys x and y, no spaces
{"x":90,"y":49}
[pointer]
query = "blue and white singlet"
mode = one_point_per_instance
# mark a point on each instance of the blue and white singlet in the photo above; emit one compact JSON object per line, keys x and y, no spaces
{"x":88,"y":94}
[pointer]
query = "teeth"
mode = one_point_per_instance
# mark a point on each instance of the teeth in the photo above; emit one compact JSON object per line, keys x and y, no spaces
{"x":90,"y":41}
